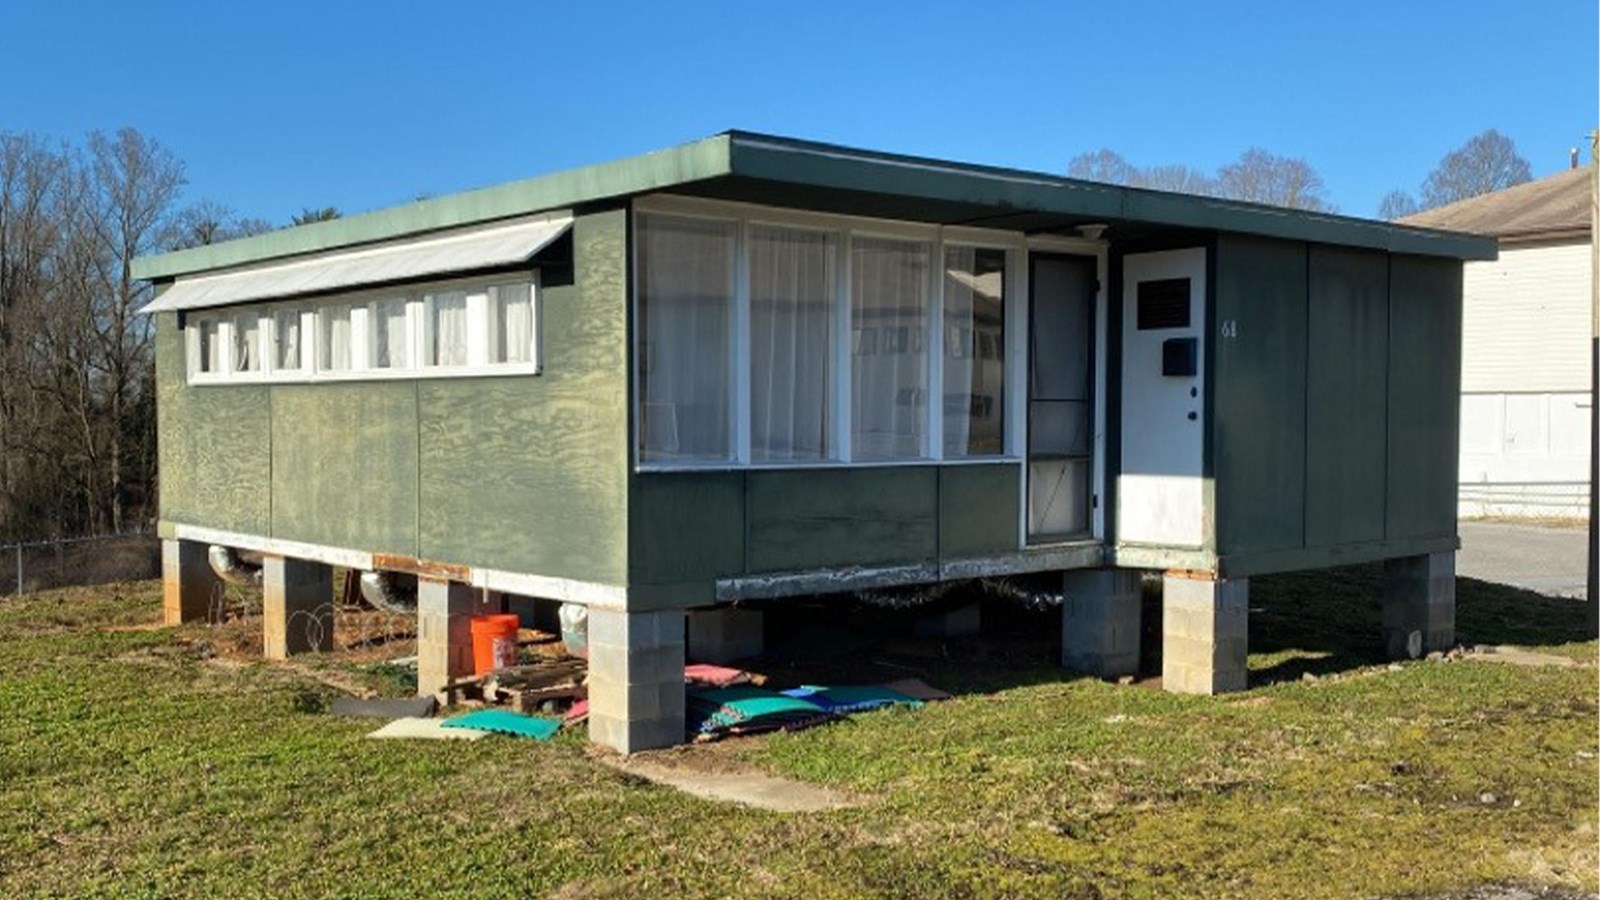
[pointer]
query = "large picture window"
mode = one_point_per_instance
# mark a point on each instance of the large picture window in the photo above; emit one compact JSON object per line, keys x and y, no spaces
{"x":772,"y":338}
{"x":686,"y":287}
{"x":791,"y":308}
{"x":974,"y":352}
{"x":889,"y":366}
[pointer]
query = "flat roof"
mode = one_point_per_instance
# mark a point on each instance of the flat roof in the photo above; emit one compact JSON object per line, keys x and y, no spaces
{"x":786,"y":171}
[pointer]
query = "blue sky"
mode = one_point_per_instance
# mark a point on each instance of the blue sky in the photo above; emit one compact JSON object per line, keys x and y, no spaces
{"x":280,"y":106}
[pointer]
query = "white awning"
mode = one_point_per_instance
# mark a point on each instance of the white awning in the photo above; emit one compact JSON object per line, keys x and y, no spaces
{"x":439,"y":255}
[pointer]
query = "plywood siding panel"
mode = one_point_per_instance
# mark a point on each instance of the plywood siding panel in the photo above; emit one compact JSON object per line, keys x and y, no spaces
{"x":686,"y":526}
{"x":1346,"y":395}
{"x":1259,"y":420}
{"x":344,"y":470}
{"x":529,"y":474}
{"x":818,"y":518}
{"x":979,"y":509}
{"x":214,"y":445}
{"x":1525,"y":326}
{"x":1424,"y":396}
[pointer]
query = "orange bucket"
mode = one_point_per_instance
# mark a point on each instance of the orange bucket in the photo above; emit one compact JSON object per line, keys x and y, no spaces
{"x":494,"y":642}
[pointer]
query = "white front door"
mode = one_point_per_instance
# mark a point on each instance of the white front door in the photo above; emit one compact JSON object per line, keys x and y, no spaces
{"x":1159,"y":492}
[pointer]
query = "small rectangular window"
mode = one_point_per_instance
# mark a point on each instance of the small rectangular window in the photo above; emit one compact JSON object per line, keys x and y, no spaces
{"x":387,"y":324}
{"x":444,"y":329}
{"x":1164,"y":304}
{"x":333,"y":338}
{"x":208,"y":350}
{"x":286,"y":340}
{"x":247,"y":342}
{"x":511,"y":325}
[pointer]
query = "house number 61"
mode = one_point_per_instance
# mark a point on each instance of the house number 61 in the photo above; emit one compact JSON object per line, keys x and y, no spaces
{"x":1230,"y":328}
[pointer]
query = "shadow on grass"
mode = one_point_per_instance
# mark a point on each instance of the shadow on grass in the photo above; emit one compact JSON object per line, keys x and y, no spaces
{"x":1318,"y":622}
{"x":1332,"y":619}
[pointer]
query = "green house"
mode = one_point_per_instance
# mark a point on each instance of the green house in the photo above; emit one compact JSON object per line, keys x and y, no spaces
{"x":753,"y":367}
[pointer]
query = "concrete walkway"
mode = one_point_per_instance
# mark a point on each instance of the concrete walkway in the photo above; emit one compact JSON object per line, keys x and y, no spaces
{"x":1536,"y":557}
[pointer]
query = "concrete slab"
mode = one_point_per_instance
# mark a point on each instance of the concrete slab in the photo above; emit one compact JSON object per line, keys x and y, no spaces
{"x":745,"y":788}
{"x":1548,"y":559}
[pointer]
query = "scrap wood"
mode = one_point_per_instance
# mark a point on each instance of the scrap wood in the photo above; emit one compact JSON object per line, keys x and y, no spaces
{"x":528,"y":701}
{"x":539,"y":674}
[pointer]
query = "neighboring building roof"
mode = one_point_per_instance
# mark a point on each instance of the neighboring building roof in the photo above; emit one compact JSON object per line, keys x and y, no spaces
{"x":1548,"y":209}
{"x":784,"y":171}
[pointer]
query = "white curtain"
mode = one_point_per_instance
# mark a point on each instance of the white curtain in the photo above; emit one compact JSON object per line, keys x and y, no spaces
{"x":388,"y":324}
{"x":446,"y":336}
{"x":286,"y":334}
{"x":210,"y":351}
{"x":974,"y":351}
{"x":246,"y":342}
{"x":334,"y":323}
{"x":791,"y":302}
{"x":685,"y":296}
{"x":889,"y":371}
{"x":511,"y":318}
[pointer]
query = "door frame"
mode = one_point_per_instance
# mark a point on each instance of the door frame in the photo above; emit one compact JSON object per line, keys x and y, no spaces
{"x":1048,"y":246}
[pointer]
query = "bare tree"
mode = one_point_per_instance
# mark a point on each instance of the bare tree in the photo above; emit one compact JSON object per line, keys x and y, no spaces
{"x":1485,"y":163}
{"x":1397,"y":205}
{"x":1179,"y":178}
{"x":308,"y":215}
{"x":1105,"y":165}
{"x":1257,"y":176}
{"x":136,"y":183}
{"x":1262,"y":177}
{"x":209,"y":222}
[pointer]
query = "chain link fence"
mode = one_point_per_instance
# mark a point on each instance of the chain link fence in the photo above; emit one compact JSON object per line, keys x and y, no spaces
{"x":30,"y":566}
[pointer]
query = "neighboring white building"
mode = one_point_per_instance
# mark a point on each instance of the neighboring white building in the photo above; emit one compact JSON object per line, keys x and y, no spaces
{"x":1525,"y":402}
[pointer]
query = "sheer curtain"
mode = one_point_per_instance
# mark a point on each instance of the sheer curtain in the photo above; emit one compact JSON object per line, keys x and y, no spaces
{"x":334,"y":352}
{"x":511,"y":323}
{"x":445,"y":337}
{"x":388,"y":318}
{"x":210,"y":355}
{"x":685,"y":297}
{"x":247,"y":342}
{"x":889,"y":370}
{"x":791,"y":302}
{"x":974,"y":351}
{"x":286,"y":337}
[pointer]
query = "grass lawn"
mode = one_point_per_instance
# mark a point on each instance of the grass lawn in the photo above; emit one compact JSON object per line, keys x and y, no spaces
{"x":134,"y":763}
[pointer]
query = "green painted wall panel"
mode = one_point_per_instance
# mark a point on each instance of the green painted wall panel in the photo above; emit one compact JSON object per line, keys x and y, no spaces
{"x":684,"y":526}
{"x":1424,"y":396}
{"x":530,"y":474}
{"x":1346,"y":395}
{"x":824,"y":517}
{"x":344,"y":465}
{"x":979,"y":509}
{"x":1259,"y":418}
{"x":213,"y":442}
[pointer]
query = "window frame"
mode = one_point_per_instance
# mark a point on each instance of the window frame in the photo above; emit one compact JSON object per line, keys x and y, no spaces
{"x":845,"y":230}
{"x":362,"y":335}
